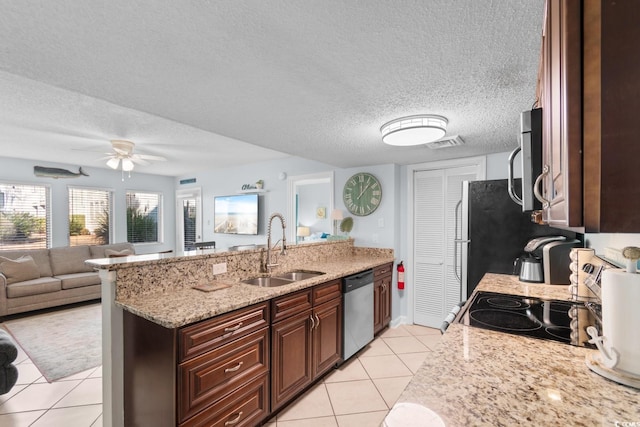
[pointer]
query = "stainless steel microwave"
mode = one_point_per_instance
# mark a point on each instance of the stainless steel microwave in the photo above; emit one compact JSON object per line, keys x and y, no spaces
{"x":530,"y":149}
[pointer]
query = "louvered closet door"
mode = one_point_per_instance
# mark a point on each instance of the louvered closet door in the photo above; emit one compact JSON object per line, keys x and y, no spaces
{"x":437,"y":289}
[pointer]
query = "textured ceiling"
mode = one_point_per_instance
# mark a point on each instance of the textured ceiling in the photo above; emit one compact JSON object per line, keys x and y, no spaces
{"x":217,"y":83}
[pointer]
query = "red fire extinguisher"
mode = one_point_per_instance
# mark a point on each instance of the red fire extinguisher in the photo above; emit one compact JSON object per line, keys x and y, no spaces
{"x":400,"y":276}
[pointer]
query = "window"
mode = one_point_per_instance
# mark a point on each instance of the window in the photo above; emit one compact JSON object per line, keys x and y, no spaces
{"x":89,"y":216}
{"x":25,"y":220}
{"x":143,"y":217}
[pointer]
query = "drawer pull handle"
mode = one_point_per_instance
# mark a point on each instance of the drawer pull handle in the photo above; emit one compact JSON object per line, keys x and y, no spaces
{"x":233,"y":328}
{"x":235,"y":368}
{"x":235,"y":420}
{"x":318,"y":321}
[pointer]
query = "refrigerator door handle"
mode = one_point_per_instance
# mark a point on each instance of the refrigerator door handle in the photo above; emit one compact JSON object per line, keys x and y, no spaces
{"x":456,"y":242}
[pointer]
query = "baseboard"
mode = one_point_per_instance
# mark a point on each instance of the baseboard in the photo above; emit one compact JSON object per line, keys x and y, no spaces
{"x":402,"y":320}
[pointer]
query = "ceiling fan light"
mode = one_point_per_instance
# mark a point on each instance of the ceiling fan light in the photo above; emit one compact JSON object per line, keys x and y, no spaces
{"x":127,"y":165}
{"x":113,"y":163}
{"x":414,"y":130}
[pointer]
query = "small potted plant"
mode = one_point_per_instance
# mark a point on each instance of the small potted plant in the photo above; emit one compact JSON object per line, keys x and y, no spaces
{"x":346,"y":225}
{"x":259,"y":184}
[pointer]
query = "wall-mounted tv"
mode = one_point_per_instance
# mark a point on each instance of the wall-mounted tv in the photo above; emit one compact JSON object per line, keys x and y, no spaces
{"x":237,"y":214}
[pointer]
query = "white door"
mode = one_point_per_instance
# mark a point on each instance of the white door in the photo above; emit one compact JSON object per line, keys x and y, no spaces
{"x":437,"y":289}
{"x":188,"y":218}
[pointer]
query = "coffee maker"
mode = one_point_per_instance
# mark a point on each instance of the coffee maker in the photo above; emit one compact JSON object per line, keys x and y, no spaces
{"x":546,"y":260}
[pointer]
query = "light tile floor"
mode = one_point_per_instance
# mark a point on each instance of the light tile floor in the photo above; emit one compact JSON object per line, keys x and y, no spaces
{"x":359,"y":393}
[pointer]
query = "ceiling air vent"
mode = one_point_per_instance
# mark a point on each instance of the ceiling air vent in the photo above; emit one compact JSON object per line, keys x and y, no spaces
{"x":445,"y":142}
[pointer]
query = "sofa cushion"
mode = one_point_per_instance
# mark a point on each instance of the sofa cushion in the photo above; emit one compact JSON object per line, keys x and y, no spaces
{"x":39,"y":286}
{"x":98,"y":251}
{"x":40,"y":256}
{"x":79,"y":280}
{"x":69,"y":260}
{"x":19,"y":270}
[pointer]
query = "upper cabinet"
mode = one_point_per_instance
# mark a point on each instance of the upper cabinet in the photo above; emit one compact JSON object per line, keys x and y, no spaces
{"x":590,"y":93}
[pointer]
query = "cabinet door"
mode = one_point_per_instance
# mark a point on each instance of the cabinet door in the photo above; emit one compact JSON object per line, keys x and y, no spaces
{"x":327,"y":336}
{"x":562,"y":114}
{"x":385,"y":302}
{"x":377,"y":313}
{"x":291,"y":368}
{"x":381,"y":303}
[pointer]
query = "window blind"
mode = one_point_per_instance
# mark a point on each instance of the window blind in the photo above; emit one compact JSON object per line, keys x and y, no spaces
{"x":25,"y":217}
{"x":143,"y":217}
{"x":89,"y":216}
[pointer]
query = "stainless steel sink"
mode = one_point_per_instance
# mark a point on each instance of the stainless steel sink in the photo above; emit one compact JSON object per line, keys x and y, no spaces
{"x":268,"y":282}
{"x":282,"y":279}
{"x":299,"y":275}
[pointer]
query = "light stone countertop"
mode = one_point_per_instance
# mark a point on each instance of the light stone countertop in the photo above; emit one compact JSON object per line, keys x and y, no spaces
{"x":478,"y":377}
{"x":182,"y":305}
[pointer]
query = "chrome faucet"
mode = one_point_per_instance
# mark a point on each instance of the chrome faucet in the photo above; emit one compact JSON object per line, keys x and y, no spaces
{"x":268,"y":263}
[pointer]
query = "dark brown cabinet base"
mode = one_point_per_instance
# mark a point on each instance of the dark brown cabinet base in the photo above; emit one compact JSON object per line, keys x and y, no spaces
{"x":234,"y":369}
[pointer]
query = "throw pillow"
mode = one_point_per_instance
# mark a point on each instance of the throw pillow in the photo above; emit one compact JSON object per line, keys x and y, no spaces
{"x":110,"y":253}
{"x":19,"y":270}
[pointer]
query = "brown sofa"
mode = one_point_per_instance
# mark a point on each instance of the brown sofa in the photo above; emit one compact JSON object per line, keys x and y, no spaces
{"x":42,"y":278}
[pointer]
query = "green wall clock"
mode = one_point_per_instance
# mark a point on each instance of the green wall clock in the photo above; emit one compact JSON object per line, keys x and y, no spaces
{"x":362,"y":194}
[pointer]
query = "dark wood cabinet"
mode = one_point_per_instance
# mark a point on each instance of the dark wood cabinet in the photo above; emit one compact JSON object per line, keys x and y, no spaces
{"x":292,"y":354}
{"x":382,"y":277}
{"x":233,"y":369}
{"x":561,"y":100}
{"x":590,"y":94}
{"x":306,"y":342}
{"x":327,"y":336}
{"x":209,"y":373}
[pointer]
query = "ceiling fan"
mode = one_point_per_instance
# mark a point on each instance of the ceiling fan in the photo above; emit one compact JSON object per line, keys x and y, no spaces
{"x":123,"y":153}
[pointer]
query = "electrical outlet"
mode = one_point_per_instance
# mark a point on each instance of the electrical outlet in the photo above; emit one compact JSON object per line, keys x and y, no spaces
{"x":380,"y":222}
{"x":220,"y":268}
{"x":375,"y":238}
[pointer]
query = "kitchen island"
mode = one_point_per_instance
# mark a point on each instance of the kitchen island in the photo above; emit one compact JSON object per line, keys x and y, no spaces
{"x":478,"y":377}
{"x":164,"y":341}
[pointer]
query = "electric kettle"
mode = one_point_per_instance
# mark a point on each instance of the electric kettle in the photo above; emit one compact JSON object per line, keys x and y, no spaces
{"x":529,"y":269}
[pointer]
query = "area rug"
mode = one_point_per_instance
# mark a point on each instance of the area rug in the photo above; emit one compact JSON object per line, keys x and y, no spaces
{"x":62,"y":342}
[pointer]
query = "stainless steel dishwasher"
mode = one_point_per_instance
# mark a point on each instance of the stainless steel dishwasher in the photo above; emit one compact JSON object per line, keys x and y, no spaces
{"x":358,"y":312}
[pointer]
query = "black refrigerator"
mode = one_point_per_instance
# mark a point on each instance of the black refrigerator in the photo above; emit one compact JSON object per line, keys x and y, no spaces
{"x":493,"y":231}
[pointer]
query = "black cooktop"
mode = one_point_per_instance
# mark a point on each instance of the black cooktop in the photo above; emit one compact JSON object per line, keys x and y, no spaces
{"x":557,"y":320}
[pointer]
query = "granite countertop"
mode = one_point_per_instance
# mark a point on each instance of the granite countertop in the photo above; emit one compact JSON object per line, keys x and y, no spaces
{"x":184,"y":305}
{"x":481,"y":377}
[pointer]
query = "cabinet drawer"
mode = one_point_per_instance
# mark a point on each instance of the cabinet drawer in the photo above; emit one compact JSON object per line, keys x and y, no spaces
{"x":289,"y":305}
{"x":327,"y":291}
{"x":209,"y":334}
{"x":245,"y":407}
{"x":382,"y":270}
{"x":205,"y":379}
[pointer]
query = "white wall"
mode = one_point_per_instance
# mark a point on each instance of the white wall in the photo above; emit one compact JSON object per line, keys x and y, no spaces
{"x":21,"y":172}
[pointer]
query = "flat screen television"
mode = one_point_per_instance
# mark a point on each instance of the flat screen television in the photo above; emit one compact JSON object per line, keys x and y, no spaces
{"x":237,"y":214}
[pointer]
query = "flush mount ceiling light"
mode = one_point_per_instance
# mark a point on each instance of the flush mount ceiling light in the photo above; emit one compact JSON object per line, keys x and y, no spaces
{"x":414,"y":130}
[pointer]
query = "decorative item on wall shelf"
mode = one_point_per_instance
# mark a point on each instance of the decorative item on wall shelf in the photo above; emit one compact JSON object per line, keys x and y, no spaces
{"x":253,"y":188}
{"x":57,"y":172}
{"x":321,"y":213}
